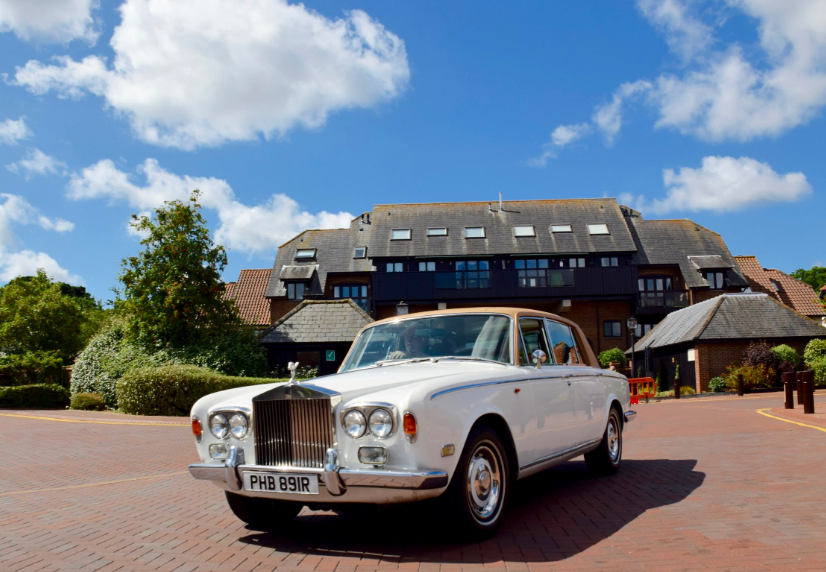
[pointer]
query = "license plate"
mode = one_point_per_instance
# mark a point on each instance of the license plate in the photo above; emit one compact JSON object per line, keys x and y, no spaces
{"x":281,"y":483}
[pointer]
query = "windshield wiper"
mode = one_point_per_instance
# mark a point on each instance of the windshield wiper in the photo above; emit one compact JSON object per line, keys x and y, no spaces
{"x":402,"y":361}
{"x":472,"y":358}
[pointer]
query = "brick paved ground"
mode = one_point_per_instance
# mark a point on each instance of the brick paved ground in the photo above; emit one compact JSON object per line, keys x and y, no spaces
{"x":706,"y":484}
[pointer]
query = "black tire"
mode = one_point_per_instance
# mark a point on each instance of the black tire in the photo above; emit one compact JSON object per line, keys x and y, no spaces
{"x":480,"y":488}
{"x":606,"y":459}
{"x":261,"y":513}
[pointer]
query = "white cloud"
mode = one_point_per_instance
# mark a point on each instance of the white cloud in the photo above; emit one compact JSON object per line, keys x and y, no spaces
{"x":27,"y":262}
{"x":12,"y":131}
{"x":49,"y":20}
{"x":608,"y":117}
{"x":190,"y":73}
{"x":14,"y":209}
{"x":686,"y":36}
{"x":252,"y":229}
{"x":560,"y":137}
{"x":37,"y":163}
{"x":723,"y":184}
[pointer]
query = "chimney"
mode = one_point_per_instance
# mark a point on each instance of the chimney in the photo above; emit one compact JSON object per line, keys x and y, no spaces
{"x":500,"y":202}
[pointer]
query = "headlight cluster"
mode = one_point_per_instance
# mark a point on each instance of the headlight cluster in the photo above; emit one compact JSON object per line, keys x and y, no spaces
{"x":224,"y":424}
{"x":359,"y":422}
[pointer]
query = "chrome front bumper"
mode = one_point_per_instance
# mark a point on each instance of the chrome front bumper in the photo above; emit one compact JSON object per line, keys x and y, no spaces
{"x":336,"y":480}
{"x":630,"y":415}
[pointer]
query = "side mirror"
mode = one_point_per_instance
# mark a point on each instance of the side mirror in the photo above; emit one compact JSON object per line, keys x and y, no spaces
{"x":539,"y":358}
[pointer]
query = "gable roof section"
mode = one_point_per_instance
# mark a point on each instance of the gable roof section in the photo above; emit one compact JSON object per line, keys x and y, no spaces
{"x":792,"y":292}
{"x":731,"y":317}
{"x":682,"y":242}
{"x":318,"y":321}
{"x":248,"y":294}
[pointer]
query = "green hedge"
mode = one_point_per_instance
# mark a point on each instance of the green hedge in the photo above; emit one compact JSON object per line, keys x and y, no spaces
{"x":38,"y":395}
{"x":33,"y":368}
{"x":87,"y":402}
{"x":174,"y":389}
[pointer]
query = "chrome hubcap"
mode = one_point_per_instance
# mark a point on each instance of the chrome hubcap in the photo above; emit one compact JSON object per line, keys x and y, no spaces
{"x":613,"y":440}
{"x":484,"y":484}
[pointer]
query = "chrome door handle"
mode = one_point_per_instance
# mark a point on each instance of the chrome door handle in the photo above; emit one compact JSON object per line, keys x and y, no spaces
{"x":569,"y":382}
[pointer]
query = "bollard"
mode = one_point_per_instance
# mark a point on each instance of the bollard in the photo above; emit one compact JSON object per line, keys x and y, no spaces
{"x":798,"y":381}
{"x":809,"y":384}
{"x":677,"y":388}
{"x":788,"y":386}
{"x":740,"y":384}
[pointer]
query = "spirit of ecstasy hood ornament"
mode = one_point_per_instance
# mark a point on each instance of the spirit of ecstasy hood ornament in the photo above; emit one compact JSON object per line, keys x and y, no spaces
{"x":292,"y":366}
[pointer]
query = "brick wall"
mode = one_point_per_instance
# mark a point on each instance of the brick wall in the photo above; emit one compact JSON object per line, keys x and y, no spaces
{"x":711,"y":360}
{"x":346,"y":279}
{"x":280,"y":306}
{"x":590,"y":316}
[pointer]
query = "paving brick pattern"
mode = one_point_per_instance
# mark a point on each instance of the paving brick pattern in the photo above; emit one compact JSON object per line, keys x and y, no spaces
{"x":705,"y":485}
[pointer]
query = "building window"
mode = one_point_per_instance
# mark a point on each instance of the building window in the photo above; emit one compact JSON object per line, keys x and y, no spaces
{"x":598,"y":229}
{"x":475,"y":232}
{"x":360,"y":252}
{"x":576,"y":262}
{"x":437,"y":232}
{"x":643,"y":329}
{"x":427,"y":266}
{"x":473,"y":273}
{"x":303,"y":253}
{"x":612,"y":329}
{"x":555,"y":228}
{"x":715,"y":280}
{"x":531,"y":273}
{"x":400,"y":234}
{"x":609,"y":261}
{"x":527,"y":230}
{"x":774,"y":285}
{"x":295,"y":290}
{"x":356,"y":292}
{"x":395,"y":266}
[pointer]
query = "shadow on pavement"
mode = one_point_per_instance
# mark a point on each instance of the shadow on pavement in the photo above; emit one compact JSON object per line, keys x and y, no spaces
{"x":555,"y":514}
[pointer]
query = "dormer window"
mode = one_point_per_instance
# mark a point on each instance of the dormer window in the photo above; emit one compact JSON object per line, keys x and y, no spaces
{"x":557,"y":228}
{"x":305,"y":253}
{"x":524,"y":230}
{"x":598,"y":229}
{"x":360,"y":252}
{"x":474,"y":232}
{"x":295,"y":290}
{"x":715,"y":280}
{"x":400,"y":234}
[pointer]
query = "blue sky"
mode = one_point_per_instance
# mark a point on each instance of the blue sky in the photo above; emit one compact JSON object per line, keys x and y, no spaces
{"x":294,"y":116}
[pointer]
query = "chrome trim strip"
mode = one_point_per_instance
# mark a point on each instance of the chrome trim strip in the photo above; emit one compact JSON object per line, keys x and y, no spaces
{"x":521,"y":380}
{"x":560,"y":454}
{"x":630,"y":415}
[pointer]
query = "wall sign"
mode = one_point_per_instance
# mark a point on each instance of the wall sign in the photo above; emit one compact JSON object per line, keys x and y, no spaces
{"x":331,"y":355}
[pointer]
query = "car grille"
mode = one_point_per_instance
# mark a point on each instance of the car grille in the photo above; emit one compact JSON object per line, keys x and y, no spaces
{"x":293,"y":432}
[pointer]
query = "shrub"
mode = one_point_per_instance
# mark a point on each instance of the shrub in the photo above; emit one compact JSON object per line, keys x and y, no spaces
{"x":787,"y":354}
{"x":173,"y":390}
{"x":814,"y":349}
{"x":818,"y":366}
{"x":36,"y":395}
{"x":756,"y":376}
{"x":615,"y":355}
{"x":33,"y":368}
{"x":87,"y":401}
{"x":759,"y":354}
{"x":717,"y":384}
{"x":684,"y":390}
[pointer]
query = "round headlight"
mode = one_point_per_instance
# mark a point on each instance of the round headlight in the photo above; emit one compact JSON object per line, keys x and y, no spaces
{"x":219,"y":426}
{"x":355,"y":424}
{"x":381,"y":423}
{"x":238,"y":425}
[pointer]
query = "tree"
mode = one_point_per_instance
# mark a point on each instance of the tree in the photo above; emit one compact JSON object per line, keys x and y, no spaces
{"x":815,"y":277}
{"x":172,"y":290}
{"x":35,"y":315}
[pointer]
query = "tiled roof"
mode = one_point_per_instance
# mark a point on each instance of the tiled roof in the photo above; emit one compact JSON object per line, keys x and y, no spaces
{"x":248,"y":294}
{"x":731,"y":317}
{"x":792,"y":292}
{"x":318,"y":321}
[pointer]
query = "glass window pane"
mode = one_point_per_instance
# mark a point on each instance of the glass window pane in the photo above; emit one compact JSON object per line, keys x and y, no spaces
{"x":400,"y":234}
{"x":565,"y":350}
{"x":560,"y":228}
{"x":299,"y":291}
{"x":604,"y":262}
{"x":668,"y":283}
{"x":390,"y":267}
{"x":475,"y":232}
{"x":519,"y":264}
{"x":614,"y":261}
{"x":364,"y":291}
{"x":399,"y":267}
{"x":641,"y":283}
{"x":531,"y":263}
{"x":484,"y":265}
{"x":598,"y":229}
{"x":524,"y":231}
{"x":471,"y":265}
{"x":431,"y":266}
{"x":305,"y":253}
{"x":533,"y":336}
{"x":422,"y":266}
{"x":460,"y":265}
{"x":659,"y":283}
{"x":291,"y":291}
{"x":617,"y":329}
{"x":437,"y":232}
{"x":543,"y":263}
{"x":649,"y":284}
{"x":336,"y":292}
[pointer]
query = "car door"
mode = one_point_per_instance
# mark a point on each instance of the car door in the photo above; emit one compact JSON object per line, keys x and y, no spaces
{"x":588,"y":389}
{"x":552,"y":393}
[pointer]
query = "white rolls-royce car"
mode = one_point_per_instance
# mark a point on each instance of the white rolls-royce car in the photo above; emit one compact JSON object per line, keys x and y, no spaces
{"x":456,"y":404}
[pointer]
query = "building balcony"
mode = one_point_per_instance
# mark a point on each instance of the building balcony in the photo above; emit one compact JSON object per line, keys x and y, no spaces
{"x":661,"y":302}
{"x":505,"y":284}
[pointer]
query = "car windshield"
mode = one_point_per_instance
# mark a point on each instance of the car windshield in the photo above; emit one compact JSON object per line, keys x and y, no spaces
{"x":469,"y":336}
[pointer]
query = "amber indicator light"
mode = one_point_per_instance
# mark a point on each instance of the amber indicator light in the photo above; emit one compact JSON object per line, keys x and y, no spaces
{"x":409,"y":424}
{"x":196,"y":427}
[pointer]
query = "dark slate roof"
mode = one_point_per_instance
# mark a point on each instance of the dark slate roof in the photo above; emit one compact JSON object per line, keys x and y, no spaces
{"x":318,"y":321}
{"x":499,"y":225}
{"x":302,"y":272}
{"x":709,"y":262}
{"x":731,"y":317}
{"x":679,"y":242}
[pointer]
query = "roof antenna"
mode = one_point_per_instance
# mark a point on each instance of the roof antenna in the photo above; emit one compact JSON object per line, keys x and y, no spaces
{"x":501,"y":208}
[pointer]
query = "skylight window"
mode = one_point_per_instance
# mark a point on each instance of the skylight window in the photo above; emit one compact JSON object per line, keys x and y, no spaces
{"x":360,"y":252}
{"x":474,"y":232}
{"x":560,"y":228}
{"x":437,"y":232}
{"x":598,"y":229}
{"x":400,"y":234}
{"x":525,"y":230}
{"x":304,"y":253}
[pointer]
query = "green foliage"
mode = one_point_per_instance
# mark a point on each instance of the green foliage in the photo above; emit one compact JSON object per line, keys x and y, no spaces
{"x":32,"y":368}
{"x":753,"y":375}
{"x":814,"y":349}
{"x":815,"y":277}
{"x":684,"y":390}
{"x":818,"y":366}
{"x":173,"y":292}
{"x":787,"y":354}
{"x":615,"y":355}
{"x":677,"y":373}
{"x":717,"y":385}
{"x":36,"y":396}
{"x":87,"y":401}
{"x":173,"y":390}
{"x":35,"y":315}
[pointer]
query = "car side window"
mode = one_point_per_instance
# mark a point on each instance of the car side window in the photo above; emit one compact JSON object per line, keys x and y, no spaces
{"x":533,"y":338}
{"x":565,"y":349}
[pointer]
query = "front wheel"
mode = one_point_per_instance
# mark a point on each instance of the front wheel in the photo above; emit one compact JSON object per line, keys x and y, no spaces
{"x":605,"y":460}
{"x":480,"y":488}
{"x":261,"y":513}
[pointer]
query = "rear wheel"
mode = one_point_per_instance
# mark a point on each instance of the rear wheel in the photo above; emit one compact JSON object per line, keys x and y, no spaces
{"x":261,"y":513}
{"x":605,"y":460}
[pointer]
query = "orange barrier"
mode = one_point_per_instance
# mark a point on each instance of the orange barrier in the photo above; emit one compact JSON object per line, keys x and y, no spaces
{"x":642,"y":387}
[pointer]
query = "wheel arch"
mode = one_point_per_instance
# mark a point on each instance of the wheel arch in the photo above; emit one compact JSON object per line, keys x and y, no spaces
{"x":615,"y":404}
{"x":498,"y":424}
